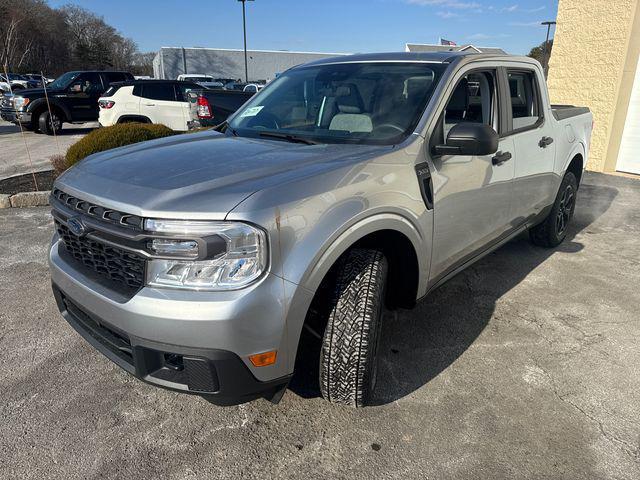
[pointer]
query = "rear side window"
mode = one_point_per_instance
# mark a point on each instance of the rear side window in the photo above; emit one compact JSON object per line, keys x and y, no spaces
{"x":526,"y":108}
{"x":158,"y":91}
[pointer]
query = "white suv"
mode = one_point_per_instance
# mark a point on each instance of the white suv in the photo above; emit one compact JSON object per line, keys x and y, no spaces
{"x":147,"y":101}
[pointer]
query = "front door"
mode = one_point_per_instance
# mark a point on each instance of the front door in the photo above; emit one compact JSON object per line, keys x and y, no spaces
{"x":472,"y":194}
{"x":82,"y":97}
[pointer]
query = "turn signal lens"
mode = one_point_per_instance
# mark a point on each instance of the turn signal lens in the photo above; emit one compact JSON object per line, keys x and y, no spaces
{"x":263,"y":359}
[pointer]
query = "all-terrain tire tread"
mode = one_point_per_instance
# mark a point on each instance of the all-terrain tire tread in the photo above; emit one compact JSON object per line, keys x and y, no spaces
{"x":352,"y":329}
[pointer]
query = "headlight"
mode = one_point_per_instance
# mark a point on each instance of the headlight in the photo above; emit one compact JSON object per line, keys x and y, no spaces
{"x":239,"y":263}
{"x":19,"y":102}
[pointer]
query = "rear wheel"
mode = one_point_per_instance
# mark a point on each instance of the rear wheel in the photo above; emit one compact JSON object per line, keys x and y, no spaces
{"x":50,"y":123}
{"x":348,"y":359}
{"x":553,"y":230}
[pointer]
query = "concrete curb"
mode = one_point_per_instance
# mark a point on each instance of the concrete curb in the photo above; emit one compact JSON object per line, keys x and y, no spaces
{"x":25,"y":199}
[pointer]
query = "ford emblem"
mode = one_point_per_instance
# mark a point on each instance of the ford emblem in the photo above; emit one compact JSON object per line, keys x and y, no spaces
{"x":76,"y":226}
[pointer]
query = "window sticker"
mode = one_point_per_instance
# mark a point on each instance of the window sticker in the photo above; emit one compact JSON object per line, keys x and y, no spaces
{"x":251,"y":112}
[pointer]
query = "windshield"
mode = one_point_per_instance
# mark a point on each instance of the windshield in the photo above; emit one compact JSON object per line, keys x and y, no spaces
{"x":63,"y":80}
{"x":198,"y":79}
{"x":371,"y":103}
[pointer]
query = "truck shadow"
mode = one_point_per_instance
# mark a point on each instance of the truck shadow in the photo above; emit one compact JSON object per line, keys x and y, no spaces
{"x":418,"y":344}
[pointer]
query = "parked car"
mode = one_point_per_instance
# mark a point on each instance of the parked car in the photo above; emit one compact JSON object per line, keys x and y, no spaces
{"x":147,"y":101}
{"x":349,"y":186}
{"x":14,"y":82}
{"x":73,"y":98}
{"x":37,"y":79}
{"x":205,"y":81}
{"x":208,"y":108}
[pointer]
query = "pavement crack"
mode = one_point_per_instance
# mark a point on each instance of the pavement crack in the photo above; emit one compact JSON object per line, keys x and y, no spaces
{"x":629,"y":449}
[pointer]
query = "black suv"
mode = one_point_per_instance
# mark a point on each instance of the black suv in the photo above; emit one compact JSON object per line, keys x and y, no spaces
{"x":73,"y":98}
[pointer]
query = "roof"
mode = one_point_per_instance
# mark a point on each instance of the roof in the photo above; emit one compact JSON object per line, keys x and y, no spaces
{"x":425,"y":47}
{"x":430,"y":57}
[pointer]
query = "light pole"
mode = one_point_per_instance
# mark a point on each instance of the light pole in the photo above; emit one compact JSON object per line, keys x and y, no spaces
{"x":244,"y":29}
{"x":546,"y":48}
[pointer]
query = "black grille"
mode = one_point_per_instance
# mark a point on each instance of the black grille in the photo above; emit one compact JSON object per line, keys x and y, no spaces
{"x":113,"y":263}
{"x":101,"y":213}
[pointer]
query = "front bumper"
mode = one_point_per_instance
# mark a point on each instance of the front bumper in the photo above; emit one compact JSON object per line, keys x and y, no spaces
{"x":211,"y":334}
{"x":14,"y":116}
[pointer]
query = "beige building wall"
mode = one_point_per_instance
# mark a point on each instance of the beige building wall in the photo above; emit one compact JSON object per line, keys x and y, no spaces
{"x":593,"y":63}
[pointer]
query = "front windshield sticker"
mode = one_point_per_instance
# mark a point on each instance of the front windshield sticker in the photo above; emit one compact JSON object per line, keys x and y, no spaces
{"x":252,"y":111}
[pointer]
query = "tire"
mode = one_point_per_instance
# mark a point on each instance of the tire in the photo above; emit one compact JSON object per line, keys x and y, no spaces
{"x":553,"y":229}
{"x":50,"y":123}
{"x":348,"y":359}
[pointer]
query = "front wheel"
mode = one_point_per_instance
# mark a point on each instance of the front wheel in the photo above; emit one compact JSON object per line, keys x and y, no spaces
{"x":348,"y":360}
{"x":50,"y":123}
{"x":553,"y":230}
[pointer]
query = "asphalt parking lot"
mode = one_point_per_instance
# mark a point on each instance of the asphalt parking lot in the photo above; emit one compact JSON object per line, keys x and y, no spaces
{"x":14,"y":159}
{"x":524,"y":366}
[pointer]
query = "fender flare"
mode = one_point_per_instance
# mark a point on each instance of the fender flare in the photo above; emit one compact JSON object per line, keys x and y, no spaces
{"x":349,"y":235}
{"x":577,"y":150}
{"x":329,"y":254}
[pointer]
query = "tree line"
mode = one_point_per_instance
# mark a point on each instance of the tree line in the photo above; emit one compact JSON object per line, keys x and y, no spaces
{"x":36,"y":38}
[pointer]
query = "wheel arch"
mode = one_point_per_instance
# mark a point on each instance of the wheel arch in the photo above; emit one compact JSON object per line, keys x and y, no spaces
{"x":575,"y":162}
{"x":40,"y":106}
{"x":133,"y":118}
{"x":396,"y":236}
{"x":576,"y":166}
{"x":383,"y":231}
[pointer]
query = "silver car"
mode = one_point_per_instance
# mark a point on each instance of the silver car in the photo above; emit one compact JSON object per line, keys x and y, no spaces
{"x":346,"y":187}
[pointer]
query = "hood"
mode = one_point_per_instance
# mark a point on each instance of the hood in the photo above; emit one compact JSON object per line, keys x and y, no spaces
{"x":202,"y":175}
{"x":34,"y":92}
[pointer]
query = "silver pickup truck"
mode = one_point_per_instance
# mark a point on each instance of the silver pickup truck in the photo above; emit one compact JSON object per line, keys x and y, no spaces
{"x":346,"y":187}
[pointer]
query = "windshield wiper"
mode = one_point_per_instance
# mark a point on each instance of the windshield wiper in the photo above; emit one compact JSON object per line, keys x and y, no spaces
{"x":288,"y":137}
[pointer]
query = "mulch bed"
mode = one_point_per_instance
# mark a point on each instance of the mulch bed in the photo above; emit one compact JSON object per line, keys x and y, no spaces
{"x":24,"y":183}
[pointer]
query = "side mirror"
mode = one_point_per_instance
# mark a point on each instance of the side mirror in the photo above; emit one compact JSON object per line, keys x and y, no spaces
{"x":469,"y":139}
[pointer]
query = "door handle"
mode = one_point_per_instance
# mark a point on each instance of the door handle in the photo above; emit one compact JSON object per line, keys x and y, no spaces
{"x":149,"y":104}
{"x":545,"y":142}
{"x":500,"y":158}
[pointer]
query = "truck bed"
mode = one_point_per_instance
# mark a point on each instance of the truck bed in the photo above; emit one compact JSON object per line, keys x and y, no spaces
{"x":222,"y":103}
{"x":562,"y":112}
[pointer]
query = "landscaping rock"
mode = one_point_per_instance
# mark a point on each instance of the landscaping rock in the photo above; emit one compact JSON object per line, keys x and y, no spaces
{"x":4,"y":201}
{"x":30,"y":199}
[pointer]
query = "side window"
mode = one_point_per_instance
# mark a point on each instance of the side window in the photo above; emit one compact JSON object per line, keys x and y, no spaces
{"x":158,"y":91}
{"x":525,"y":98}
{"x":87,"y":84}
{"x":473,"y":100}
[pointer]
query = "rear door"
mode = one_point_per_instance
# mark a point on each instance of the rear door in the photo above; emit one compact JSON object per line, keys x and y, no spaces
{"x":160,"y":105}
{"x":535,"y":183}
{"x":472,"y":194}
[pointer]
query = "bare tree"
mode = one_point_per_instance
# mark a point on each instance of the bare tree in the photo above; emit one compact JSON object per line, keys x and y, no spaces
{"x":35,"y":37}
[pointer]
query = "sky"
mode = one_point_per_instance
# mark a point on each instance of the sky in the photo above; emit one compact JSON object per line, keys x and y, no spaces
{"x":336,"y":26}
